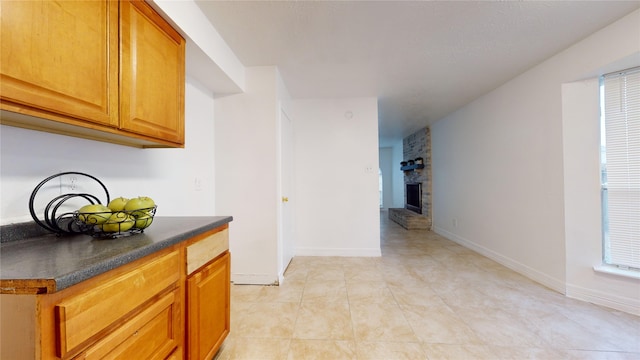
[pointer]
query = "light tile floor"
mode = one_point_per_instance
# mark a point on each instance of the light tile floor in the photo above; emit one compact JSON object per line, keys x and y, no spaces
{"x":425,"y":298}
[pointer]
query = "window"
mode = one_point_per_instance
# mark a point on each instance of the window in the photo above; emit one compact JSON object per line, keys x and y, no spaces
{"x":620,"y":164}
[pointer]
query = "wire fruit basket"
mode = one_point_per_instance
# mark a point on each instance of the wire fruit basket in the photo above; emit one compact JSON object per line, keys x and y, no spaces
{"x":114,"y":224}
{"x":60,"y":215}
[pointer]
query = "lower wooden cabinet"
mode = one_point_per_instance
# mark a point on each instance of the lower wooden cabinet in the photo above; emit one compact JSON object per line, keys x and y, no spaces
{"x":176,"y":355}
{"x":152,"y":334}
{"x":152,"y":308}
{"x":79,"y":317}
{"x":208,"y":293}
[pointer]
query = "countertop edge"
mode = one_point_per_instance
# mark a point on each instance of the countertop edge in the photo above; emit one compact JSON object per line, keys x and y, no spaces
{"x":58,"y":283}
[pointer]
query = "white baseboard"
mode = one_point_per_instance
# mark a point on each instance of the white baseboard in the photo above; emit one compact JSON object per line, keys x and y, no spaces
{"x":280,"y":278}
{"x":514,"y":265}
{"x":345,"y":252}
{"x":275,"y":279}
{"x":628,"y":305}
{"x":254,"y":279}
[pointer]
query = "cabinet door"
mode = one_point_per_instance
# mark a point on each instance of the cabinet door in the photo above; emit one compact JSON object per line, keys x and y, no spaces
{"x":152,"y":87}
{"x":208,"y":294}
{"x":61,"y":57}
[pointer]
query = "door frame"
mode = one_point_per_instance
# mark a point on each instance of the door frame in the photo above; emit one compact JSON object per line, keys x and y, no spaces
{"x":286,"y":171}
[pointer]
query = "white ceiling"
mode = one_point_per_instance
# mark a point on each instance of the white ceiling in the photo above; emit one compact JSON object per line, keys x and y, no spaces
{"x":422,"y":59}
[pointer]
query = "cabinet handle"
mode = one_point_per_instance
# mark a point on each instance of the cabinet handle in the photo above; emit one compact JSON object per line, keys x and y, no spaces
{"x":285,"y":199}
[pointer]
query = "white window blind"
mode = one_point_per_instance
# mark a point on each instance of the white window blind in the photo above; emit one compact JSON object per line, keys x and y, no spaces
{"x":621,"y":168}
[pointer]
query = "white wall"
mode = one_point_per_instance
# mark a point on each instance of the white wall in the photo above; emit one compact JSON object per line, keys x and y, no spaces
{"x":167,"y":175}
{"x":582,"y":203}
{"x":337,"y":177}
{"x":390,"y":158}
{"x":246,"y":175}
{"x":501,"y":172}
{"x":208,"y":54}
{"x":386,"y":167}
{"x":398,"y":176}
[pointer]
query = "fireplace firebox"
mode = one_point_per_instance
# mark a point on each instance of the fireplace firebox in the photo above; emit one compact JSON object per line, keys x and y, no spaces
{"x":413,"y":197}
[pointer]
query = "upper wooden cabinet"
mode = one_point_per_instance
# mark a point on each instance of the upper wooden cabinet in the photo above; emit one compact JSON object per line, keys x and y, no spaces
{"x":104,"y":70}
{"x":152,"y":68}
{"x":61,"y":57}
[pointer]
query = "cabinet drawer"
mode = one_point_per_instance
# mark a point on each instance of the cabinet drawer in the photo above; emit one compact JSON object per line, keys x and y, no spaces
{"x":206,"y":250}
{"x":152,"y":334}
{"x":82,"y":316}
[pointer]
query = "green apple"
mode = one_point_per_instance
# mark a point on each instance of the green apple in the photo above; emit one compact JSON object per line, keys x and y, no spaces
{"x":139,"y":206}
{"x":143,"y":221}
{"x":118,"y":222}
{"x":117,"y":204}
{"x":94,"y":214}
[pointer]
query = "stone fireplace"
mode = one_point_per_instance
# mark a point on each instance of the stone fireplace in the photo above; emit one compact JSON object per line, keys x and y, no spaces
{"x":413,"y":197}
{"x":416,"y":213}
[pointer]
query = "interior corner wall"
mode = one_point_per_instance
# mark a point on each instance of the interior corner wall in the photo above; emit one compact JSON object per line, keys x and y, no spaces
{"x":499,"y":182}
{"x":336,"y":162}
{"x":246,"y":175}
{"x":217,"y":65}
{"x":583,"y":230}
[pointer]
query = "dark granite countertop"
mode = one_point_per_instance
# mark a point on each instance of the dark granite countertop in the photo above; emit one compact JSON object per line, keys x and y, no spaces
{"x":50,"y":263}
